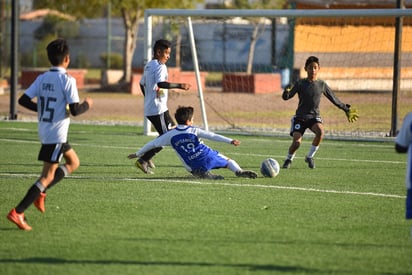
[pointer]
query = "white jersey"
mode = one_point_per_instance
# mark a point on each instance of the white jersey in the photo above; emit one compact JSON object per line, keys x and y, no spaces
{"x":53,"y":89}
{"x":404,"y":139}
{"x":186,"y":141}
{"x":155,"y":103}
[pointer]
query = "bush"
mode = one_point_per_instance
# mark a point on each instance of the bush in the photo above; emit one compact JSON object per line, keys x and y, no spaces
{"x":116,"y":60}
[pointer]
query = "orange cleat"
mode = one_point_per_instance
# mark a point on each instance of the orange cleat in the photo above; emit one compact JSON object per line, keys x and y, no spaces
{"x":39,"y":202}
{"x":18,"y":219}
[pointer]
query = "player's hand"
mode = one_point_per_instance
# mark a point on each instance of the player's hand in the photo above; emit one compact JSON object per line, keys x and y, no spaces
{"x":288,"y":88}
{"x":351,"y":114}
{"x":132,"y":156}
{"x":89,"y":101}
{"x":185,"y":86}
{"x":235,"y":142}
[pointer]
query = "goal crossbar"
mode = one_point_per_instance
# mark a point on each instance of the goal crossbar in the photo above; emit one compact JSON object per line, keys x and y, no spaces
{"x":280,"y":13}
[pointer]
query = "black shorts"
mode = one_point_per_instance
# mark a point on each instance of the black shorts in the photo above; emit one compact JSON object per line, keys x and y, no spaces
{"x":162,"y":122}
{"x":300,"y":125}
{"x":53,"y":153}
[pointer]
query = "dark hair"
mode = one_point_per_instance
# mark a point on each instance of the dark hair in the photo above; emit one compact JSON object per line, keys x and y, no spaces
{"x":161,"y":44}
{"x":184,"y":114}
{"x":57,"y":50}
{"x":311,"y":59}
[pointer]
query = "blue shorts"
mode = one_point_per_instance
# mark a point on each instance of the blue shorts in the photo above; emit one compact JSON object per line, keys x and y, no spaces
{"x":213,"y":160}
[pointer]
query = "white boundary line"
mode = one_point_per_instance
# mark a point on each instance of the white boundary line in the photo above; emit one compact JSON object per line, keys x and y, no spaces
{"x":232,"y":153}
{"x":218,"y":183}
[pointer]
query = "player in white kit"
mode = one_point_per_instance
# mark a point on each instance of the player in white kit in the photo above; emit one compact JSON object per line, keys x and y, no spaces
{"x":56,"y":98}
{"x":155,"y":88}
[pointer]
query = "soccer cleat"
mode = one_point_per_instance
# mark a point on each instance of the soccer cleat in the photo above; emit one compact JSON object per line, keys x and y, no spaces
{"x":246,"y":174}
{"x":142,"y":165}
{"x":39,"y":202}
{"x":310,"y":162}
{"x":151,"y":164}
{"x":206,"y":175}
{"x":18,"y":219}
{"x":287,"y":163}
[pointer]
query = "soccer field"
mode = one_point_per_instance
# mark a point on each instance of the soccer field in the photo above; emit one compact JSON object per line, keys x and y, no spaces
{"x":344,"y":217}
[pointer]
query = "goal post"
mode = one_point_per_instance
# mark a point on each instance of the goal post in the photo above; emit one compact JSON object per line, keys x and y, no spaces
{"x":327,"y":55}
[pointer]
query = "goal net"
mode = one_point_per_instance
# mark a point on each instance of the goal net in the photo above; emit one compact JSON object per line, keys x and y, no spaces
{"x":239,"y":61}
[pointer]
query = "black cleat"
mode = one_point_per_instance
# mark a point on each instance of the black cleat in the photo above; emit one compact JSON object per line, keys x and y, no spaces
{"x":286,"y":164}
{"x":310,"y":162}
{"x":246,"y":174}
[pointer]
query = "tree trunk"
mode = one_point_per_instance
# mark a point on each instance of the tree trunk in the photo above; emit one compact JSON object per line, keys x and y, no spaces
{"x":253,"y":40}
{"x":178,"y":47}
{"x":255,"y":36}
{"x":131,"y":25}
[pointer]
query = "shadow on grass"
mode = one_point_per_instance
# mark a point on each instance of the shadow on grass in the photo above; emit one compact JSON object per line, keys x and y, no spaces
{"x":252,"y":267}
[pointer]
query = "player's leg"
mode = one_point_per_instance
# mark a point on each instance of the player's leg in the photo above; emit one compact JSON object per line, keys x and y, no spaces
{"x":16,"y":215}
{"x":296,"y":142}
{"x":72,"y":163}
{"x":296,"y":132}
{"x":318,"y":129}
{"x":50,"y":154}
{"x":233,"y":166}
{"x":408,"y":213}
{"x":213,"y":160}
{"x":162,"y":124}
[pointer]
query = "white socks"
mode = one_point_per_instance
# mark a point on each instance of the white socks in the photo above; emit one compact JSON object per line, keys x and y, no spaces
{"x":312,"y":151}
{"x":233,"y":166}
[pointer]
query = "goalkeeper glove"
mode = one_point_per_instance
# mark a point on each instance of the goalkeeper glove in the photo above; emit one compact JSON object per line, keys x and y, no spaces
{"x":351,"y":114}
{"x":288,"y":88}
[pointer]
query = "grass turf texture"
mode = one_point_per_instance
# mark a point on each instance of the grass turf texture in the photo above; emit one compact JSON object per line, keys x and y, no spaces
{"x":345,"y":216}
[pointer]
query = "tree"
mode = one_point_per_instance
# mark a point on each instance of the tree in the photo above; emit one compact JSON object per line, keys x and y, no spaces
{"x":131,"y":11}
{"x":258,"y":23}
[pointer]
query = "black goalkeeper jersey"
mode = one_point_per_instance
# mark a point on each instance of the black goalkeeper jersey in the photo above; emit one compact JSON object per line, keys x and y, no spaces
{"x":309,"y":93}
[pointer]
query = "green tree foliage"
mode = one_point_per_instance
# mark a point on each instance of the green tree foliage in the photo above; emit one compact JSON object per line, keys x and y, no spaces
{"x":131,"y":11}
{"x":57,"y":27}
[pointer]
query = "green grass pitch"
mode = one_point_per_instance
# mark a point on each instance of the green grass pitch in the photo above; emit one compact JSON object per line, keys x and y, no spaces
{"x":344,"y":217}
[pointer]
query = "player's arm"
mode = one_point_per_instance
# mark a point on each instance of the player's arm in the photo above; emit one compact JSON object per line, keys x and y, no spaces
{"x":168,"y":85}
{"x":28,"y":103}
{"x":289,"y":91}
{"x":142,"y":89}
{"x":216,"y":137}
{"x":160,"y":141}
{"x":78,"y":109}
{"x":351,"y":113}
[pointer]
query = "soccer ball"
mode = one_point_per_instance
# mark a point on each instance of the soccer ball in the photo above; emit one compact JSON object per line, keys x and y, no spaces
{"x":269,"y":168}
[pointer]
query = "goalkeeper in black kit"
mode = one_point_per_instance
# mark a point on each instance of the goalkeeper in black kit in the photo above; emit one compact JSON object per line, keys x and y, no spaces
{"x":307,"y":116}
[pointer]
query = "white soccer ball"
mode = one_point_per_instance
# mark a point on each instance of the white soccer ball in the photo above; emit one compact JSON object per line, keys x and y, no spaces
{"x":269,"y":168}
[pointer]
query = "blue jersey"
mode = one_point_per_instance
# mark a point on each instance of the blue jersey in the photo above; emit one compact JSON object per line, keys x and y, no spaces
{"x":194,"y":154}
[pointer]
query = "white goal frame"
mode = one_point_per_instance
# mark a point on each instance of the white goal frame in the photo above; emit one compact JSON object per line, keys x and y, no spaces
{"x":188,"y":13}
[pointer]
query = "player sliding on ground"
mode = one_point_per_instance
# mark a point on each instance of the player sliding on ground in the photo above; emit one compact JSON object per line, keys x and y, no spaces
{"x":197,"y":157}
{"x":309,"y":91}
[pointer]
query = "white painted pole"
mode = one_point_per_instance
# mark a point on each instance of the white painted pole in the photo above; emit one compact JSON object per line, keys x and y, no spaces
{"x":197,"y":73}
{"x":148,"y":51}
